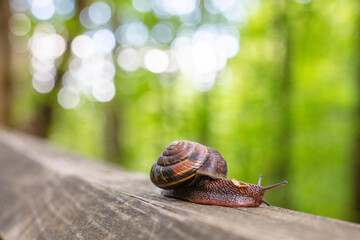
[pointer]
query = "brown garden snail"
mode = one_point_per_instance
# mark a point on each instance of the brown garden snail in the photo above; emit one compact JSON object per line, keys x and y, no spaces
{"x":196,"y":173}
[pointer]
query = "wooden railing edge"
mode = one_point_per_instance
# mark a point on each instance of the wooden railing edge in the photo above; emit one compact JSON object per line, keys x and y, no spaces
{"x":47,"y":193}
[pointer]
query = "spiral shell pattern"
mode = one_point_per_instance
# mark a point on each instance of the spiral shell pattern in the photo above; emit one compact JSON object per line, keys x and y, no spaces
{"x":178,"y":163}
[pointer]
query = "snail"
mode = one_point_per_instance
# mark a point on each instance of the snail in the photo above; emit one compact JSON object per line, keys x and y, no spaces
{"x":196,"y":173}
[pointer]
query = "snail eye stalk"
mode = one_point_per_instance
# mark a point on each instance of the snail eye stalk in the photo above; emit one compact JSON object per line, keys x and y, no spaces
{"x":274,"y":186}
{"x":264,"y":201}
{"x":259,"y":181}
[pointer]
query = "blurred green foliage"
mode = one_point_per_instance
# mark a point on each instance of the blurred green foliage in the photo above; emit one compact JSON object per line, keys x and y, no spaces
{"x":243,"y":115}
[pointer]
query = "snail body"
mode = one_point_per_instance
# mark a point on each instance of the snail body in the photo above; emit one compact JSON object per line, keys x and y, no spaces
{"x":196,"y":173}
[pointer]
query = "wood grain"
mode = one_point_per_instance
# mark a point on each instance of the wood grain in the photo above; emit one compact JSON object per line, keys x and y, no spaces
{"x":46,"y":193}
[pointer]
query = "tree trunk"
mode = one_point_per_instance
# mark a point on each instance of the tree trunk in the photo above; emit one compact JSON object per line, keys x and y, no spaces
{"x":357,"y":137}
{"x":6,"y":85}
{"x":113,"y":132}
{"x":284,"y":98}
{"x":357,"y":160}
{"x":204,"y":118}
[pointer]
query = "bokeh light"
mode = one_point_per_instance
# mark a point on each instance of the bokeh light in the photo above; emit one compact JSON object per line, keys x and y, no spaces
{"x":42,"y":9}
{"x":43,"y":82}
{"x":65,"y":7}
{"x":204,"y":58}
{"x":224,"y":5}
{"x":92,"y":70}
{"x":19,"y":5}
{"x":236,"y":14}
{"x":132,"y":34}
{"x":158,"y":7}
{"x":68,"y":97}
{"x":103,"y":90}
{"x":19,"y":24}
{"x":156,"y":61}
{"x":43,"y":65}
{"x":45,"y":46}
{"x":210,"y":7}
{"x":162,"y":32}
{"x":85,"y":19}
{"x":83,"y":46}
{"x":99,"y":13}
{"x":104,"y":40}
{"x":128,"y":59}
{"x":199,"y":52}
{"x":191,"y":19}
{"x":228,"y":44}
{"x":142,"y":6}
{"x":69,"y":81}
{"x":175,"y":7}
{"x":202,"y":54}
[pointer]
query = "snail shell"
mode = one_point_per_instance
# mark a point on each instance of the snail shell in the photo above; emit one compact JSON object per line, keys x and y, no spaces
{"x":183,"y":162}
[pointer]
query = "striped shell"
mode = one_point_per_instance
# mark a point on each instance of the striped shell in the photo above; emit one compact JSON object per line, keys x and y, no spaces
{"x":181,"y":161}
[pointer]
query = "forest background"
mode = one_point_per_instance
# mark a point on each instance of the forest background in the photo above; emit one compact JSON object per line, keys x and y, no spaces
{"x":272,"y":85}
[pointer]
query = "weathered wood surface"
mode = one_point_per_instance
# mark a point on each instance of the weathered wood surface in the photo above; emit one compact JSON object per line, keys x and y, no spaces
{"x":48,"y":194}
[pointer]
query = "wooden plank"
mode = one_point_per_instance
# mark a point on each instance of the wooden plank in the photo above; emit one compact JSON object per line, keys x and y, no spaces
{"x":49,"y":194}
